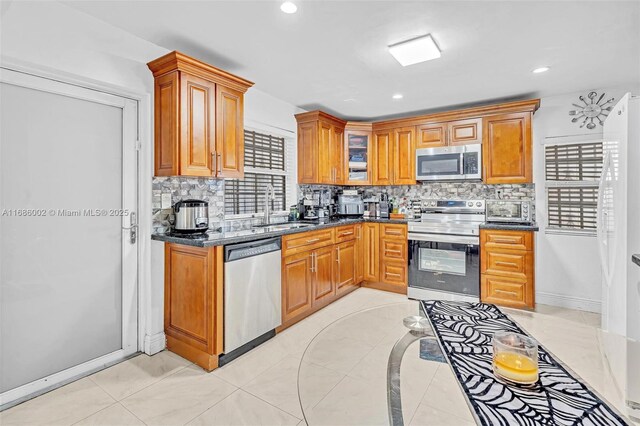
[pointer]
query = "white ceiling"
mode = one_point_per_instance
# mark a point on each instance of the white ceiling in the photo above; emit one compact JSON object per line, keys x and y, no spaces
{"x":333,"y":54}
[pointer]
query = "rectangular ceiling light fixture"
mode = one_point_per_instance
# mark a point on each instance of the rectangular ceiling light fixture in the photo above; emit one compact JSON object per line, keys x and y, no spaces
{"x":414,"y":51}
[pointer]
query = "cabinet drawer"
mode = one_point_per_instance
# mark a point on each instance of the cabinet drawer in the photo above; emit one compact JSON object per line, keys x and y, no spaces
{"x":345,"y":233}
{"x":514,"y":264}
{"x":393,"y":273}
{"x":492,"y":239}
{"x":297,"y":243}
{"x":506,"y":291}
{"x":394,"y":231}
{"x":394,"y":249}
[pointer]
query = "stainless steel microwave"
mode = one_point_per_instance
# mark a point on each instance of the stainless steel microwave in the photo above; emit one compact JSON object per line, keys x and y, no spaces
{"x":463,"y":162}
{"x":516,"y":211}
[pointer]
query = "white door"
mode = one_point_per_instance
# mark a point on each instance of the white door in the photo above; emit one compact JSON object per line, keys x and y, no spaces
{"x":68,"y":264}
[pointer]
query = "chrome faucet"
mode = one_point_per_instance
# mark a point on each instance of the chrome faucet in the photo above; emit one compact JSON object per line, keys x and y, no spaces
{"x":269,"y":194}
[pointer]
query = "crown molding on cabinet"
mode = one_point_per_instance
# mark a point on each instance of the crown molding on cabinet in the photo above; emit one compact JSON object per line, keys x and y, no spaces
{"x":176,"y":61}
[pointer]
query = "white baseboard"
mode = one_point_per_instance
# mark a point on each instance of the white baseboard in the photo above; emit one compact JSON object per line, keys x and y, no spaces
{"x":571,"y":302}
{"x":154,"y":343}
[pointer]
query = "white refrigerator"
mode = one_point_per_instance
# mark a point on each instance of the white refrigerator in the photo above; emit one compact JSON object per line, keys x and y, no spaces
{"x":618,"y":239}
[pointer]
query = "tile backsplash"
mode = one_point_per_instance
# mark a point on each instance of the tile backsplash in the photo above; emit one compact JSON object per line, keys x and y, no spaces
{"x":439,"y":190}
{"x":212,"y":190}
{"x":207,"y":189}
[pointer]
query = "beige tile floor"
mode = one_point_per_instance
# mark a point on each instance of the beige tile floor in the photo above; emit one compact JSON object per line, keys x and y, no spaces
{"x":261,"y":387}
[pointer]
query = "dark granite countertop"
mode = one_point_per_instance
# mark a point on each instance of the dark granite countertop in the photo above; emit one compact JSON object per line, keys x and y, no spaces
{"x":218,"y":238}
{"x":510,"y":226}
{"x":636,"y":259}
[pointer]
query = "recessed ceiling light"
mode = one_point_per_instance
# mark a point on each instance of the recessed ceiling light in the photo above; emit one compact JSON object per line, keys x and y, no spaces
{"x":288,"y":7}
{"x":350,"y":100}
{"x":541,"y":69}
{"x":397,"y":96}
{"x":414,"y":51}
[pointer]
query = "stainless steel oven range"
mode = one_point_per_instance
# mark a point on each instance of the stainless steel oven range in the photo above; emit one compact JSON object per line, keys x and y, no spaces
{"x":444,"y":250}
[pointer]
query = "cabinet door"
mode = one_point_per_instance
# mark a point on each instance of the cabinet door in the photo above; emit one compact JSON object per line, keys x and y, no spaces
{"x":323,"y":281}
{"x":326,"y":168}
{"x":431,"y":135}
{"x":166,"y":129}
{"x":190,"y":296}
{"x":307,"y":152}
{"x":506,"y":149}
{"x":463,"y":132}
{"x":345,"y":266}
{"x":506,"y":291}
{"x":395,"y":274}
{"x":197,"y":128}
{"x":357,"y":161}
{"x":296,"y":285}
{"x":359,"y":254}
{"x":383,"y":157}
{"x":404,"y":172}
{"x":230,"y":134}
{"x":371,"y":251}
{"x":338,"y":155}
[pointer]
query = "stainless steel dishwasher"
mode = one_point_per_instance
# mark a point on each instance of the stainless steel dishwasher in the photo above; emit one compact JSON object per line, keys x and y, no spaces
{"x":252,"y":295}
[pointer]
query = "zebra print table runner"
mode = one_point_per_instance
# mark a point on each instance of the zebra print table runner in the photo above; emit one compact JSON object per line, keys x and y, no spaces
{"x":465,"y":331}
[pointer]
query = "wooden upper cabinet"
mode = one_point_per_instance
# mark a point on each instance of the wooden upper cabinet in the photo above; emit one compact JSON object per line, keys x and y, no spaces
{"x":197,"y":129}
{"x":431,"y":135}
{"x":320,"y":148}
{"x":507,"y":150}
{"x":307,"y":152}
{"x":383,"y":157}
{"x":338,"y":155}
{"x":459,"y":132}
{"x":325,"y":154}
{"x":230,"y":133}
{"x":464,"y":132}
{"x":198,"y":118}
{"x":358,"y":154}
{"x":404,"y":170}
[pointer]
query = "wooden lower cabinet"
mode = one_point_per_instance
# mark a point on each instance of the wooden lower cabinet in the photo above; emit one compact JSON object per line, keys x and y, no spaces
{"x":507,"y":268}
{"x":345,"y":254}
{"x":371,"y":253}
{"x":359,"y":254}
{"x":193,"y":303}
{"x":313,"y":278}
{"x":296,"y":285}
{"x":323,"y":284}
{"x":386,"y":257}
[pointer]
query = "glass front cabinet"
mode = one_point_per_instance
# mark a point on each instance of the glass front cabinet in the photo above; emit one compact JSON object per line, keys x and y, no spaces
{"x":357,"y":145}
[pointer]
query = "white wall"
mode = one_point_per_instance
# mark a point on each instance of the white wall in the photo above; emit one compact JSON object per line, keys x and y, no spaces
{"x":63,"y":41}
{"x":567,"y":266}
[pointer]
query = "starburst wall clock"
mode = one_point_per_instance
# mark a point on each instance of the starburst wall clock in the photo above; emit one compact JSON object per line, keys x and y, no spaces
{"x":591,"y":110}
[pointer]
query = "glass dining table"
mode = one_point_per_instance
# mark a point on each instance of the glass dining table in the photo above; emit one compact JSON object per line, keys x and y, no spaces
{"x":386,"y":368}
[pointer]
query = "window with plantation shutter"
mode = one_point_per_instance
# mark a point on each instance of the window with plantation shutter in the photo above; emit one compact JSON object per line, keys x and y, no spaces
{"x":572,"y":174}
{"x":265,"y":163}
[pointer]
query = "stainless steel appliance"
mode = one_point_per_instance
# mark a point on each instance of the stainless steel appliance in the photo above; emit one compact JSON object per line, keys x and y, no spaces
{"x":444,"y":250}
{"x":516,"y":211}
{"x":252,"y":295}
{"x":463,"y":162}
{"x":384,"y":208}
{"x":191,"y":216}
{"x":350,"y":205}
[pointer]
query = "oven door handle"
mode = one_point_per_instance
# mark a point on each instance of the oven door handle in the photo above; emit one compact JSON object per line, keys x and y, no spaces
{"x":439,"y":238}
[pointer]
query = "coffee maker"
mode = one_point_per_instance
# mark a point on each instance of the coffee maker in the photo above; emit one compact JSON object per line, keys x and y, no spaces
{"x":384,"y":206}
